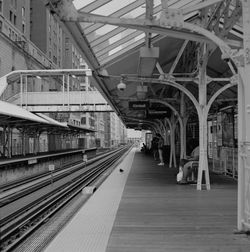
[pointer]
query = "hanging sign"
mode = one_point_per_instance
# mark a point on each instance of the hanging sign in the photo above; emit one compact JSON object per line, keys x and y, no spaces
{"x":138,"y":105}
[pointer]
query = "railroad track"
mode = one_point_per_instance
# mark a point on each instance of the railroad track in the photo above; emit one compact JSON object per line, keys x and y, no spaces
{"x":41,"y":180}
{"x":18,"y":225}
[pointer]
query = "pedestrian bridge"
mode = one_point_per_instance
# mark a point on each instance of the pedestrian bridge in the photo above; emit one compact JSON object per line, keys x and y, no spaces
{"x":59,"y":101}
{"x":63,"y":100}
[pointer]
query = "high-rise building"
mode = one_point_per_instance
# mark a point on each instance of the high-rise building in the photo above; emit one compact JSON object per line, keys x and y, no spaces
{"x":18,"y":14}
{"x":46,"y":32}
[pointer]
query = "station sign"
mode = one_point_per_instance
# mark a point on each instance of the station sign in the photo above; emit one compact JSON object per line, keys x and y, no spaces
{"x":51,"y":167}
{"x":158,"y":114}
{"x":138,"y":105}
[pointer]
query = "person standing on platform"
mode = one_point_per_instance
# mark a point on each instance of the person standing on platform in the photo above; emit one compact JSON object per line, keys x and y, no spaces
{"x":154,"y":147}
{"x":160,"y":148}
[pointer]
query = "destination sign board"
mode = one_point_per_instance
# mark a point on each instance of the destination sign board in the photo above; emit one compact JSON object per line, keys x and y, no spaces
{"x":138,"y":105}
{"x":158,"y":114}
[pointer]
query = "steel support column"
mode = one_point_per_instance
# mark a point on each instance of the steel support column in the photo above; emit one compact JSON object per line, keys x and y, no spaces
{"x":183,"y":128}
{"x":172,"y":126}
{"x":243,"y":223}
{"x":203,"y":161}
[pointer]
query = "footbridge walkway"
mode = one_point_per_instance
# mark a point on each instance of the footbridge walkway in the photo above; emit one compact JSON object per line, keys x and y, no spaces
{"x":59,"y":101}
{"x":63,"y":99}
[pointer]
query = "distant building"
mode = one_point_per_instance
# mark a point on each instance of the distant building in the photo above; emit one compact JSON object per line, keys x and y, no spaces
{"x":18,"y":14}
{"x":100,"y":129}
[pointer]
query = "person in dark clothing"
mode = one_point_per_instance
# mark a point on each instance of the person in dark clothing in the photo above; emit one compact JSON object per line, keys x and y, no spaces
{"x":160,"y":148}
{"x":154,"y":147}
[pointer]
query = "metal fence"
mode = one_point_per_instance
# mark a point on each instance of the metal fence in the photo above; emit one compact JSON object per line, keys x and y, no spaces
{"x":224,"y":160}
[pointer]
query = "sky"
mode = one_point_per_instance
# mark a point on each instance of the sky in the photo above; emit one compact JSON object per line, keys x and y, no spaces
{"x":133,"y":133}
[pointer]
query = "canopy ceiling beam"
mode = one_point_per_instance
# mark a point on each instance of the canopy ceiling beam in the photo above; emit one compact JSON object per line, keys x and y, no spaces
{"x":105,"y":59}
{"x":143,"y":25}
{"x":149,"y":16}
{"x":103,"y":51}
{"x":67,"y":12}
{"x":127,"y":98}
{"x":129,"y":78}
{"x":117,"y":14}
{"x":94,"y":5}
{"x":117,"y":30}
{"x":125,"y":52}
{"x":199,"y":6}
{"x":230,"y":21}
{"x":231,"y":14}
{"x":178,"y":57}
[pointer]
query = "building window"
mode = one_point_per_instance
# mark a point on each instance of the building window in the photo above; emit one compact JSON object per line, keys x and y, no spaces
{"x":1,"y":25}
{"x":23,"y":12}
{"x":83,"y":120}
{"x":14,"y":19}
{"x":55,"y":59}
{"x":83,"y":88}
{"x":91,"y":122}
{"x":1,"y":5}
{"x":23,"y":27}
{"x":11,"y":14}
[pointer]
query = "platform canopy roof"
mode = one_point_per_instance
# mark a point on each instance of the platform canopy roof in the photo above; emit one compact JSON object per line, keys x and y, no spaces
{"x":66,"y":127}
{"x":153,"y":47}
{"x":16,"y":117}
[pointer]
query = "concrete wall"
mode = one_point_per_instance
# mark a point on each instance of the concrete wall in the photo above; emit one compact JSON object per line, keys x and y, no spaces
{"x":23,"y":169}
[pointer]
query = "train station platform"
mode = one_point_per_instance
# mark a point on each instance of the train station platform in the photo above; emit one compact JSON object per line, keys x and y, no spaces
{"x":141,"y":208}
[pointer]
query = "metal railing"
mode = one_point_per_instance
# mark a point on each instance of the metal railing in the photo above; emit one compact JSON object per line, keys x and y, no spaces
{"x":224,"y":160}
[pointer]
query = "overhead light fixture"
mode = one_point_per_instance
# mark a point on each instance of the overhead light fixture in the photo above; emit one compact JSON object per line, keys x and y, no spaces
{"x":73,"y":76}
{"x":121,"y":86}
{"x":147,"y":61}
{"x":141,"y":92}
{"x":38,"y":77}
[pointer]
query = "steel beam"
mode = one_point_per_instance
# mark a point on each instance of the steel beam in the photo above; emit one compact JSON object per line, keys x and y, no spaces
{"x":244,"y":125}
{"x":178,"y":57}
{"x":199,"y":6}
{"x":94,"y":5}
{"x":118,"y":13}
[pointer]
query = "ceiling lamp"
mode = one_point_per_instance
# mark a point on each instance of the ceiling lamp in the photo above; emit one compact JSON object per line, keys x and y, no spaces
{"x":121,"y":86}
{"x":147,"y":61}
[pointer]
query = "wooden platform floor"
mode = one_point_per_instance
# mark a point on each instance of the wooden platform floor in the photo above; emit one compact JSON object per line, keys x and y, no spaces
{"x":155,"y":214}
